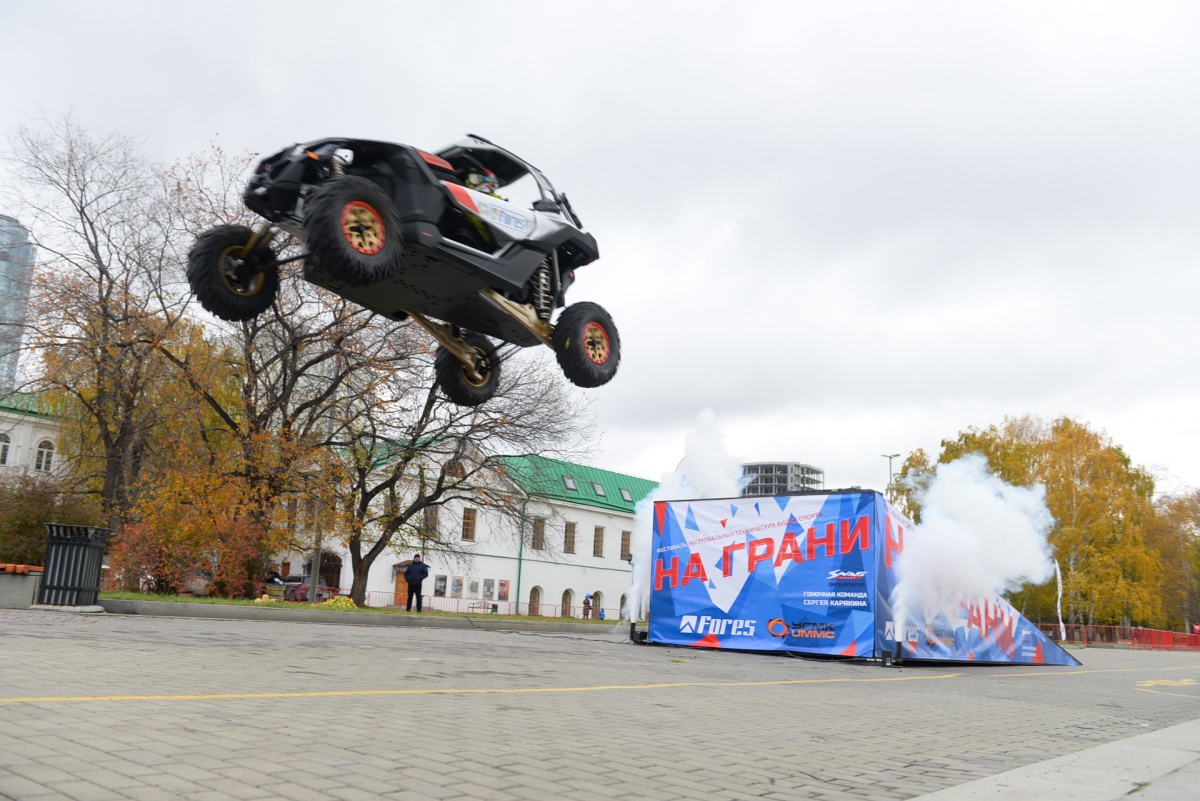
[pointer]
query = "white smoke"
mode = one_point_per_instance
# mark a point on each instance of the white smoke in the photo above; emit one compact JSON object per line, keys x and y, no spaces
{"x":978,"y":537}
{"x":706,"y":471}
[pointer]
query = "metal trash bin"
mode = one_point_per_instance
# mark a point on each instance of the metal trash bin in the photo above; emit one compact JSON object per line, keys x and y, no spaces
{"x":74,"y":556}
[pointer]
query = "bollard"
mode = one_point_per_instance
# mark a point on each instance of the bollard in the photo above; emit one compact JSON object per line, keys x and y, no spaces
{"x":74,"y":556}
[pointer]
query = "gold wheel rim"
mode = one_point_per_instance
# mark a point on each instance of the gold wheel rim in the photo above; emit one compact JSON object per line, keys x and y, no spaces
{"x":483,"y":369}
{"x":363,"y":228}
{"x":595,"y":343}
{"x":243,"y":289}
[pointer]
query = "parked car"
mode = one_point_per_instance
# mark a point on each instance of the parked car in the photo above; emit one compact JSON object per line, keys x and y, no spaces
{"x":295,"y":588}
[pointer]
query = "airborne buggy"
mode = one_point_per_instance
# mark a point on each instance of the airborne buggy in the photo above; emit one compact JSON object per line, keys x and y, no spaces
{"x":395,"y":229}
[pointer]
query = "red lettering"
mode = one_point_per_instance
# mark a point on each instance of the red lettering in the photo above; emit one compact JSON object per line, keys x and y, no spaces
{"x":727,"y":557}
{"x":829,"y":540}
{"x":860,"y":535}
{"x":973,"y":620}
{"x":760,"y":551}
{"x":789,"y":548}
{"x":672,"y":573}
{"x":989,"y":621}
{"x":893,"y":544}
{"x":694,"y":570}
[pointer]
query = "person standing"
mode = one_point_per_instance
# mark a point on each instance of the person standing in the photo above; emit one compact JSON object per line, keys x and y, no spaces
{"x":414,"y":574}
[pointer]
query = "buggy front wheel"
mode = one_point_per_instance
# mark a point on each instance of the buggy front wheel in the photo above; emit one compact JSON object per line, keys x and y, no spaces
{"x":230,"y":280}
{"x":587,"y":345}
{"x":469,"y":386}
{"x":353,"y":230}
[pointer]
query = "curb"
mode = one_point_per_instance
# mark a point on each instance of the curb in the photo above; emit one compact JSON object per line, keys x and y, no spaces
{"x":236,"y":612}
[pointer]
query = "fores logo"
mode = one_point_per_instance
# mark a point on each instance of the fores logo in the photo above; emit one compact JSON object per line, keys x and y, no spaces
{"x":801,"y":630}
{"x":691,"y":624}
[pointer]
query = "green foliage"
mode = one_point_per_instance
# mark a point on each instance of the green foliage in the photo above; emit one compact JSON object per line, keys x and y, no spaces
{"x":27,"y":504}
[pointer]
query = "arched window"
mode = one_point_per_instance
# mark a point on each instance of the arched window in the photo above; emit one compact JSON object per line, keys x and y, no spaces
{"x":5,"y":441}
{"x":45,"y":456}
{"x":566,"y":603}
{"x":535,"y":600}
{"x":597,"y":603}
{"x":624,"y":598}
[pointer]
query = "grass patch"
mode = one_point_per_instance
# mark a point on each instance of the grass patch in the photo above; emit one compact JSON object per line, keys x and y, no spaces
{"x":122,"y":595}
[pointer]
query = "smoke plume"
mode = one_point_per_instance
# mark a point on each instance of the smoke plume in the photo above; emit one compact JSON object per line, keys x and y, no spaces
{"x":979,"y":536}
{"x":706,"y":471}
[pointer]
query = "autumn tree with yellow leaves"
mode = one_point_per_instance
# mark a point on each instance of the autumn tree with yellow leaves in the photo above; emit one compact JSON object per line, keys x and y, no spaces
{"x":1104,"y":512}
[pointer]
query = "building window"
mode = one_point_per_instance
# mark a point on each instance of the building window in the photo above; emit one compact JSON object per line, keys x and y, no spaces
{"x":598,"y":488}
{"x":430,"y":527}
{"x":627,"y":495}
{"x":539,"y":533}
{"x":45,"y":456}
{"x":468,"y":531}
{"x":287,"y":569}
{"x":625,"y":554}
{"x":5,"y":440}
{"x":598,"y":542}
{"x":570,"y":482}
{"x":569,"y":538}
{"x":568,"y":598}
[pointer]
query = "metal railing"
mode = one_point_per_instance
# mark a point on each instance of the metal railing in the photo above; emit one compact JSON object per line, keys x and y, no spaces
{"x":1122,"y":636}
{"x":439,"y":603}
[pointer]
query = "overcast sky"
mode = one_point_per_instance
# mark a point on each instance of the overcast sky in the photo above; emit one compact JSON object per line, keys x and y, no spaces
{"x":850,"y":229}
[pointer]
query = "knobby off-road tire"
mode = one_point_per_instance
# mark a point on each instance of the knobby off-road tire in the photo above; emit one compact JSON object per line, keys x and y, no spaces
{"x":587,"y":345}
{"x":230,"y":282}
{"x":353,"y":231}
{"x":452,"y":374}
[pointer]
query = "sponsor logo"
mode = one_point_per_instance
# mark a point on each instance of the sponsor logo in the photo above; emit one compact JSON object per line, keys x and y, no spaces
{"x":912,"y":633}
{"x":846,"y":575}
{"x":939,"y":635}
{"x":691,"y":624}
{"x":502,"y":217}
{"x":801,"y":630}
{"x":889,"y":630}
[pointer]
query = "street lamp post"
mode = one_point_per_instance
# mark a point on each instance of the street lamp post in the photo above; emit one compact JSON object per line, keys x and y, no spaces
{"x":889,"y":457}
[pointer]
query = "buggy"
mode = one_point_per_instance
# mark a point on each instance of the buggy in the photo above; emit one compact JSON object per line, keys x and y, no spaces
{"x":396,"y":230}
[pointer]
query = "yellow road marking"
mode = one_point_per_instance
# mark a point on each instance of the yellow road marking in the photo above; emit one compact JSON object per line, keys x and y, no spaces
{"x":1163,"y":692}
{"x":469,"y":691}
{"x":1166,"y":682}
{"x":1083,"y":672}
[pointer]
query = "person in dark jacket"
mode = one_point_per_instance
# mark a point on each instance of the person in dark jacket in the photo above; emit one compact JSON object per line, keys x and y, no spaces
{"x":414,"y":574}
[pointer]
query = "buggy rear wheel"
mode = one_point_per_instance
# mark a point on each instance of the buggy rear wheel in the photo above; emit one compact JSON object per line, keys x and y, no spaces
{"x":458,"y":382}
{"x":231,"y":281}
{"x":587,"y":345}
{"x":353,"y":230}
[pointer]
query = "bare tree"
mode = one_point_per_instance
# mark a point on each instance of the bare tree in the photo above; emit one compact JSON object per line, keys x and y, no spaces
{"x":414,"y":452}
{"x":98,"y":305}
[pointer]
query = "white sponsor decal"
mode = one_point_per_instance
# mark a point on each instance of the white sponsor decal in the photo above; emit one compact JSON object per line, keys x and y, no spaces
{"x":691,"y":624}
{"x":503,"y":216}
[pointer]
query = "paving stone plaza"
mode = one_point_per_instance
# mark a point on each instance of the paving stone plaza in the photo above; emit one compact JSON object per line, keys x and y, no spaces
{"x":110,"y":707}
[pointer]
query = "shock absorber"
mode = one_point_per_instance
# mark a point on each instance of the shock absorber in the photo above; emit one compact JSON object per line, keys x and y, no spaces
{"x":541,"y":291}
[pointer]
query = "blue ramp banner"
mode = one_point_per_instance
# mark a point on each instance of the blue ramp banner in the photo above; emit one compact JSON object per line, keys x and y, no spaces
{"x":813,"y":574}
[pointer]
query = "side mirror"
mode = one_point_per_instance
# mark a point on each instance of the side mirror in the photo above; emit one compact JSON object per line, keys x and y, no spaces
{"x":542,"y":204}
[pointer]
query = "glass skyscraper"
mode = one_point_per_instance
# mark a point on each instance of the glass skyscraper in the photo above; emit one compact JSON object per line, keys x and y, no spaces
{"x":16,"y":273}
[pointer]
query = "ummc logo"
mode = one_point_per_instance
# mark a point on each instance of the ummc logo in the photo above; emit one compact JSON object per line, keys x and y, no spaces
{"x":801,"y":630}
{"x":845,"y":575}
{"x":691,"y":624}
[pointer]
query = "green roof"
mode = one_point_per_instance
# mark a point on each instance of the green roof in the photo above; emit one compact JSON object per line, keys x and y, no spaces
{"x":554,"y":479}
{"x":25,"y":403}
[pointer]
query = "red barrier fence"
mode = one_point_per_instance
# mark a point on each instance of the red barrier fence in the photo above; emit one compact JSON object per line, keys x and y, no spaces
{"x":1123,"y":636}
{"x":484,"y":606}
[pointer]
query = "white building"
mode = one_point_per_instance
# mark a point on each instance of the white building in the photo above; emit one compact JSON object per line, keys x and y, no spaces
{"x":28,"y":436}
{"x":574,"y":541}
